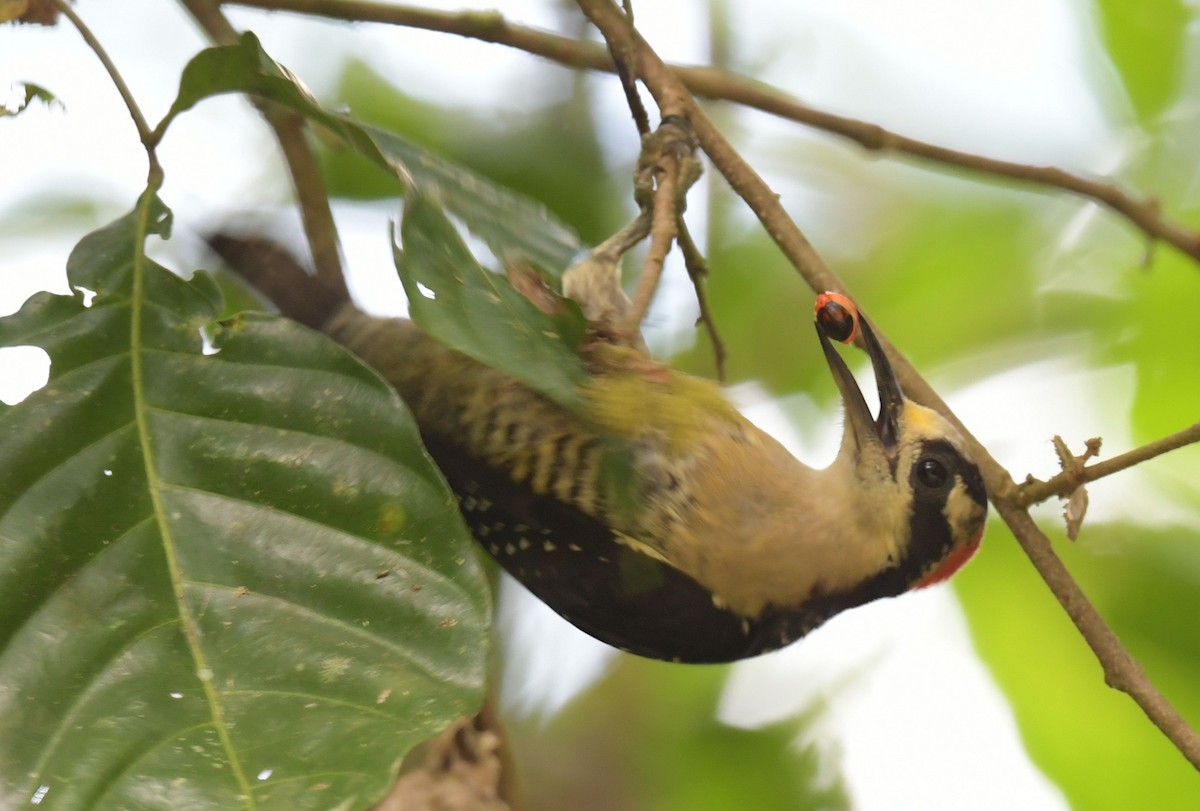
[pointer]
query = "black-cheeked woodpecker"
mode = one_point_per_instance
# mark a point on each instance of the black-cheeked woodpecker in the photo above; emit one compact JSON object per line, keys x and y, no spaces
{"x":732,"y":548}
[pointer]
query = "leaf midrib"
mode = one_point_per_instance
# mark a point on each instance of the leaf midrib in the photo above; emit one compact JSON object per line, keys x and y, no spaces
{"x":204,"y":673}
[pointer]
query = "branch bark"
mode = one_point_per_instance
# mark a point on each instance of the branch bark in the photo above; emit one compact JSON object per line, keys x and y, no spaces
{"x":1121,"y":670}
{"x":307,"y":180}
{"x":1062,"y":485}
{"x":713,"y":83}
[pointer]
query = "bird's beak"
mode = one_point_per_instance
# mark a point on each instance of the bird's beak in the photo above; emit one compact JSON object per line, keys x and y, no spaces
{"x":869,"y":431}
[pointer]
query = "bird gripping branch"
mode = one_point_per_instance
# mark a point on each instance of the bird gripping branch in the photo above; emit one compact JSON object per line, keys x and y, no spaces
{"x":654,"y":516}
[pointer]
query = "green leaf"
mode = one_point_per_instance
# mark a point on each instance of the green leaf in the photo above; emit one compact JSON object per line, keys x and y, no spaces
{"x":31,"y":93}
{"x":227,"y":580}
{"x":516,"y":228}
{"x":478,"y":313}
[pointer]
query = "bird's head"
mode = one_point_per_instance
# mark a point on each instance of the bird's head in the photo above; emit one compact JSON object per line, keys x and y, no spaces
{"x":910,"y":462}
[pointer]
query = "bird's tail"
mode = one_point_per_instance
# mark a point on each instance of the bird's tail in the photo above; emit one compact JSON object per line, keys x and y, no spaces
{"x":277,"y":274}
{"x":426,"y":374}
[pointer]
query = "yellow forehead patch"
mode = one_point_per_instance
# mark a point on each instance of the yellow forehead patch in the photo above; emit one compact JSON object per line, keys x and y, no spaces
{"x":925,"y":422}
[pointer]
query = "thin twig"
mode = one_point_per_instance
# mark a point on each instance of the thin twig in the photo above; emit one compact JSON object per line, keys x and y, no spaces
{"x":307,"y":180}
{"x":764,"y":202}
{"x":145,"y":133}
{"x":662,"y":235}
{"x":720,"y":42}
{"x":1034,"y":491}
{"x":667,"y":168}
{"x":139,"y":121}
{"x":697,"y":270}
{"x":623,"y":63}
{"x":714,"y":83}
{"x":1121,"y":670}
{"x":1144,"y":213}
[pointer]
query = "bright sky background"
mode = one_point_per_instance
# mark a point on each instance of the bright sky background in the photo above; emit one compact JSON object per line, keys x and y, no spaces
{"x":911,"y":711}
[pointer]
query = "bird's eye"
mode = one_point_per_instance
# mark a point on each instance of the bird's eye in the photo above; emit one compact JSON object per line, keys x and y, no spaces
{"x":932,"y":473}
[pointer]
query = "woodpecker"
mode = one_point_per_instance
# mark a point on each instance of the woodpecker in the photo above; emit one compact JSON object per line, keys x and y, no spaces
{"x":723,"y":545}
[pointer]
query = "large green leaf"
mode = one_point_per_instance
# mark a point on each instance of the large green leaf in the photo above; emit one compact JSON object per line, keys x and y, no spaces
{"x":515,"y":227}
{"x":480,"y":314}
{"x":227,"y":580}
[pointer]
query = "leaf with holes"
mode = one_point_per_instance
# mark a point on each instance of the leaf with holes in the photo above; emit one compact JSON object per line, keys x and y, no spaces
{"x":228,"y":580}
{"x":478,"y":313}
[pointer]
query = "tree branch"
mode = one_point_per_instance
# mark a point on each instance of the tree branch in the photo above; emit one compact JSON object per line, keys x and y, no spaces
{"x":667,"y":169}
{"x":697,"y":270}
{"x":714,"y":83}
{"x":1121,"y":670}
{"x":289,"y":128}
{"x":662,"y":236}
{"x":764,"y":202}
{"x":1034,"y":491}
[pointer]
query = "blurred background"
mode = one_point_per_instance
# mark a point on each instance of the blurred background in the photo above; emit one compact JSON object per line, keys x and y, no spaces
{"x":1034,"y":313}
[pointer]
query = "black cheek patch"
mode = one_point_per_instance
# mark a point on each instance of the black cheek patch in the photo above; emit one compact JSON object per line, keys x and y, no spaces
{"x":930,"y":541}
{"x":973,"y":481}
{"x":931,"y":537}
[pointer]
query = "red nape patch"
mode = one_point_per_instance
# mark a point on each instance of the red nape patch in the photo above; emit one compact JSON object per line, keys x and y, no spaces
{"x":953,"y":562}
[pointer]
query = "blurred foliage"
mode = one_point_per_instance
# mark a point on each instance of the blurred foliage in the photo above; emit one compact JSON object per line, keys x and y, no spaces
{"x":550,"y":154}
{"x":1093,"y":741}
{"x":663,"y":750}
{"x":936,"y":252}
{"x":1160,"y":338}
{"x":1145,"y":43}
{"x":44,"y":212}
{"x":26,"y":93}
